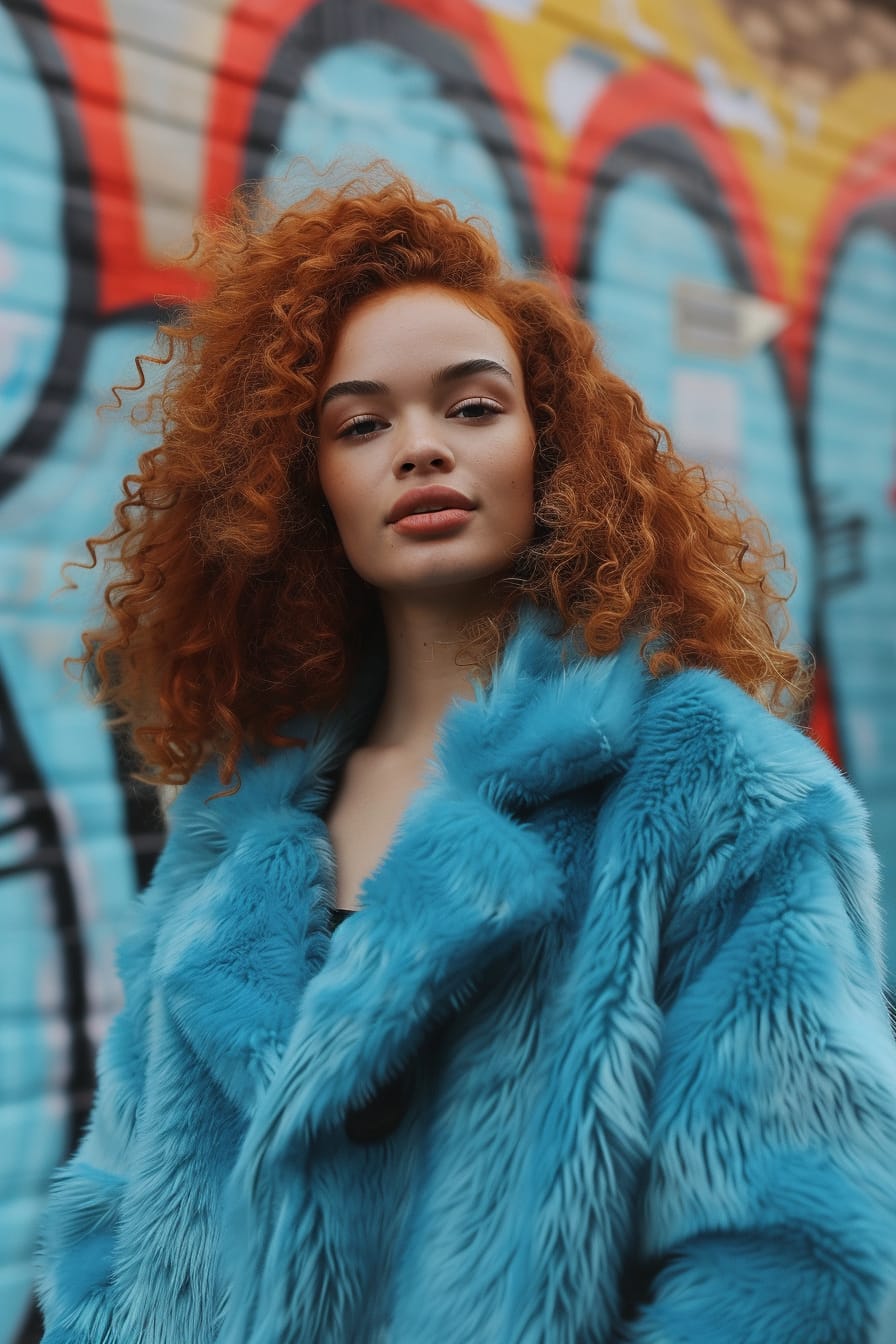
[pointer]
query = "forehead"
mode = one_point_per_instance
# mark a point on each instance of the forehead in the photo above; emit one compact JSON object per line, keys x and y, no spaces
{"x":419,"y":323}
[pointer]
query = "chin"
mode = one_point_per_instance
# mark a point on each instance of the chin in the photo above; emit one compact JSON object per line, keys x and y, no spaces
{"x":450,"y":572}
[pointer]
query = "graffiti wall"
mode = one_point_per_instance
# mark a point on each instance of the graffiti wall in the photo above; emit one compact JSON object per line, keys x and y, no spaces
{"x":717,"y":180}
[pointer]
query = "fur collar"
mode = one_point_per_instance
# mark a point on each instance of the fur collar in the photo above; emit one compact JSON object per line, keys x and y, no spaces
{"x":295,"y":1031}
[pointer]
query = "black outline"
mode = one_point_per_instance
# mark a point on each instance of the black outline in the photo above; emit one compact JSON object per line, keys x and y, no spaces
{"x":54,"y":399}
{"x":25,"y":780}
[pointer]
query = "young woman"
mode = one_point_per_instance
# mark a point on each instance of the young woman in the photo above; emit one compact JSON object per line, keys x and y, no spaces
{"x":442,"y":636}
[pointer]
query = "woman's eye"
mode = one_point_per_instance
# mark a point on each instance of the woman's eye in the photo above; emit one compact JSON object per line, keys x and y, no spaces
{"x":360,"y":428}
{"x":476,"y":409}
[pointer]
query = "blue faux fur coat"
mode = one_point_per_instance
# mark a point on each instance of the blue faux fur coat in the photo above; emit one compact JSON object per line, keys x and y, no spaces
{"x":627,"y":935}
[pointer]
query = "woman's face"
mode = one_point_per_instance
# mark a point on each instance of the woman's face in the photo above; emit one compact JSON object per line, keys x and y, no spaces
{"x":426,"y":454}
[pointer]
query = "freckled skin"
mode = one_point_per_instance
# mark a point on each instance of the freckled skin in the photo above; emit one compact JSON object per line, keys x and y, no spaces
{"x":473,"y":434}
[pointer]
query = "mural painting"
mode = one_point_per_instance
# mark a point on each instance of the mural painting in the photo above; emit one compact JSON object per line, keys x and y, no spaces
{"x":716,"y":181}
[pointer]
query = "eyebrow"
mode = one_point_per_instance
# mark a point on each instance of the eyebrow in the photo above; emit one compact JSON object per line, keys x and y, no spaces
{"x":362,"y":387}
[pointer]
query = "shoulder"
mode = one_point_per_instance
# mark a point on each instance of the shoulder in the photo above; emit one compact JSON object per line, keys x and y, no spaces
{"x":711,"y":739}
{"x":751,"y":805}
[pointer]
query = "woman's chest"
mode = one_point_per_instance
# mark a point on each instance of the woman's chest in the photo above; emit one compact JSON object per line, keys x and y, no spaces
{"x":509,"y":1106}
{"x":363,"y":815}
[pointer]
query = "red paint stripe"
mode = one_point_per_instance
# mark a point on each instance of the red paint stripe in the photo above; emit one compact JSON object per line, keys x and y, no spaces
{"x":127,"y":274}
{"x":252,"y":32}
{"x":869,"y":176}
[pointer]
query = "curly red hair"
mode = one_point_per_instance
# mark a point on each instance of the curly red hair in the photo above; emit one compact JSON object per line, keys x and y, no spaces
{"x":232,"y":606}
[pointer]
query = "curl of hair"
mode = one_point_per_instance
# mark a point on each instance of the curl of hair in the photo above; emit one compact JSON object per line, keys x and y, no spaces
{"x":231,"y":606}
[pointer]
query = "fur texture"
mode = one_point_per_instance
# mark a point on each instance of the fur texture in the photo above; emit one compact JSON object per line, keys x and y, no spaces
{"x":627,"y":935}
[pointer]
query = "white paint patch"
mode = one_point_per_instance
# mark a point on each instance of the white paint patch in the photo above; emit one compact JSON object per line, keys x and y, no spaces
{"x":512,"y":9}
{"x":624,"y":13}
{"x":706,"y":420}
{"x":807,"y":116}
{"x":573,"y":83}
{"x":738,"y":108}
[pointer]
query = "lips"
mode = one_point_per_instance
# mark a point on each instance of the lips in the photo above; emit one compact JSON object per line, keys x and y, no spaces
{"x":428,"y":499}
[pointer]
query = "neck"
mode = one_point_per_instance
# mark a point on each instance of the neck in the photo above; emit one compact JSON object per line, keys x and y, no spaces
{"x":423,"y":639}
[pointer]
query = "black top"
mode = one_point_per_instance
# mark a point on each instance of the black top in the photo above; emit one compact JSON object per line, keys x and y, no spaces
{"x":382,"y":1115}
{"x":338,"y":917}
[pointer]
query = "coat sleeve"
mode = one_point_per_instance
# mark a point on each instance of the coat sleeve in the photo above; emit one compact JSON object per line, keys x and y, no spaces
{"x":769,"y":1206}
{"x":76,"y":1256}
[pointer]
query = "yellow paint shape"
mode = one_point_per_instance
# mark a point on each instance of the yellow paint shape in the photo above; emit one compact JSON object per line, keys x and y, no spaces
{"x":791,"y":156}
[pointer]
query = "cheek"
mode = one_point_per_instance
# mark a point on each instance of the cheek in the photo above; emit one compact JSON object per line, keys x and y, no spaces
{"x":349,"y":499}
{"x":340,"y":488}
{"x":521,"y":496}
{"x":518,"y":480}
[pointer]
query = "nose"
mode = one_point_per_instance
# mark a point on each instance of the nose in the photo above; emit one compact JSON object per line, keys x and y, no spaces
{"x":421,"y":451}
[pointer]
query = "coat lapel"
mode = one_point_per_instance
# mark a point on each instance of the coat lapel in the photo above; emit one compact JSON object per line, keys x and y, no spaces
{"x":464,"y":878}
{"x":234,"y":956}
